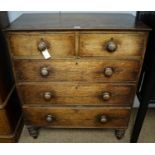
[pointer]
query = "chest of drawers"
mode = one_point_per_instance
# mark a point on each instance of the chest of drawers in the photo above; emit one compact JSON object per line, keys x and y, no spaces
{"x":91,"y":77}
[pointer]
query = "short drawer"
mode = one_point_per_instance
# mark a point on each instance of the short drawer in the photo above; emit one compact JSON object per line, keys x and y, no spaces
{"x":98,"y":70}
{"x":112,"y":44}
{"x":27,"y":44}
{"x":77,"y":117}
{"x":65,"y":93}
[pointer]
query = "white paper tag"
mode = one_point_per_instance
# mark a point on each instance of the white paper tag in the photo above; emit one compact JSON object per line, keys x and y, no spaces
{"x":46,"y":54}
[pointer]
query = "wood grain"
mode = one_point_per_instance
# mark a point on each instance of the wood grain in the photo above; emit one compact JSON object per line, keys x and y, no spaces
{"x":78,"y":117}
{"x":26,"y":44}
{"x":77,"y":70}
{"x":76,"y":76}
{"x":128,"y":44}
{"x":67,"y":93}
{"x":5,"y":128}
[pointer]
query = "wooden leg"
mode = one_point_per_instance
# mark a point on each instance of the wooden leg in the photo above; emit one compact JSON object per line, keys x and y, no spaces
{"x":33,"y":131}
{"x":119,"y":133}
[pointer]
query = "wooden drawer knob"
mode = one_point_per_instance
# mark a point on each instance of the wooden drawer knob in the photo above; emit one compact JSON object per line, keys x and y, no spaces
{"x":111,"y":46}
{"x":44,"y":71}
{"x":47,"y":96}
{"x":42,"y":45}
{"x":103,"y":119}
{"x":49,"y":118}
{"x":108,"y":71}
{"x":106,"y":96}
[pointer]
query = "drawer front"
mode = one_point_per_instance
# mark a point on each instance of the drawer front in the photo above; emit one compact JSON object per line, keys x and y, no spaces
{"x":54,"y":93}
{"x":27,"y":44}
{"x":77,"y":70}
{"x":112,"y":44}
{"x":77,"y":117}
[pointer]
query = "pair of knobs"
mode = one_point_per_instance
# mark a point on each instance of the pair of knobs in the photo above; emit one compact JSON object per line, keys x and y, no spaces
{"x":111,"y":46}
{"x":108,"y":71}
{"x":51,"y":118}
{"x":48,"y":95}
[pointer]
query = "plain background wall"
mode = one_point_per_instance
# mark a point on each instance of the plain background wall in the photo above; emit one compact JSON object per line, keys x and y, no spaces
{"x":13,"y":15}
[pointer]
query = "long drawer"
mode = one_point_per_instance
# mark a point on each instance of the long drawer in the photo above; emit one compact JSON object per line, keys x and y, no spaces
{"x":67,"y":93}
{"x":98,"y":70}
{"x":77,"y":117}
{"x":112,"y":44}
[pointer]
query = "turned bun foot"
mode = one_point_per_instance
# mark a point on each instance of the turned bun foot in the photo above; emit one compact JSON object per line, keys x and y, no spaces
{"x":33,"y":131}
{"x":119,"y":133}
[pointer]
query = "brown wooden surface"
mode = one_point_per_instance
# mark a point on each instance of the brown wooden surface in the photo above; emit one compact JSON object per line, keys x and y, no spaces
{"x":13,"y":137}
{"x":77,"y":70}
{"x":78,"y":117}
{"x":128,"y":44}
{"x":5,"y":127}
{"x":67,"y":93}
{"x":76,"y":21}
{"x":62,"y":44}
{"x":11,"y":120}
{"x":10,"y":115}
{"x":26,"y":44}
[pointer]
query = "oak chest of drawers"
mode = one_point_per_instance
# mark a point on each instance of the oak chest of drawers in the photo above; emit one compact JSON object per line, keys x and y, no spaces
{"x":77,"y":70}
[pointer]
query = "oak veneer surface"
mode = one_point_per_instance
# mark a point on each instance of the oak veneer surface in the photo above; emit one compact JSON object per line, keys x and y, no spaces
{"x":84,"y":84}
{"x":90,"y":43}
{"x":77,"y":70}
{"x":128,"y":44}
{"x":29,"y":41}
{"x":69,"y":93}
{"x":78,"y":117}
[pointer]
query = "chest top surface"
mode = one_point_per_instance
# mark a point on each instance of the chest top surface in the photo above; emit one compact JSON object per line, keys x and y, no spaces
{"x":76,"y":21}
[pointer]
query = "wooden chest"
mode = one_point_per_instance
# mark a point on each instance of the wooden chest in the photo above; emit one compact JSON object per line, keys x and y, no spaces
{"x":91,"y":77}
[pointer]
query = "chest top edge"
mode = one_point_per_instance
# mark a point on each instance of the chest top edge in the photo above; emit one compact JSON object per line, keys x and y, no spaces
{"x":76,"y":22}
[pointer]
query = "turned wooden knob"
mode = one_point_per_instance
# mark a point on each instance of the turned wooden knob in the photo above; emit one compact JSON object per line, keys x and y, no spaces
{"x":47,"y":96}
{"x":108,"y":71}
{"x":106,"y":96}
{"x":44,"y":71}
{"x":111,"y":46}
{"x":42,"y":45}
{"x":49,"y":118}
{"x":103,"y":119}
